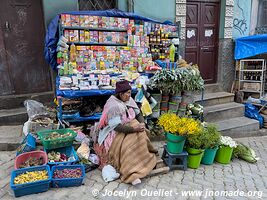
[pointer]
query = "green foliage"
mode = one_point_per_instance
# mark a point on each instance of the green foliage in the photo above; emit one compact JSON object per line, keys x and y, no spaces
{"x":208,"y":137}
{"x":212,"y":136}
{"x":180,"y":79}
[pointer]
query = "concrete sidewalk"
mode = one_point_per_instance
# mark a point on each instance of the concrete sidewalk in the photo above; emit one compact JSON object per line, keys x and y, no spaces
{"x":216,"y":181}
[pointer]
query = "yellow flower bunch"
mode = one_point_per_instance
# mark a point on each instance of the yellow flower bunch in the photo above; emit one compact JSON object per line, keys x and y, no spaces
{"x":188,"y":126}
{"x":169,"y":122}
{"x":180,"y":126}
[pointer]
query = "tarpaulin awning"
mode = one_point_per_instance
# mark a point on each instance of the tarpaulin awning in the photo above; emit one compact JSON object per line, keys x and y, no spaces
{"x":51,"y":37}
{"x":250,"y":46}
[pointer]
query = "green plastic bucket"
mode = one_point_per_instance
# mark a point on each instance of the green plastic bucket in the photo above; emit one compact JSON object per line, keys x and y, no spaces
{"x":209,"y":156}
{"x":175,"y":143}
{"x":194,"y":157}
{"x":224,"y":155}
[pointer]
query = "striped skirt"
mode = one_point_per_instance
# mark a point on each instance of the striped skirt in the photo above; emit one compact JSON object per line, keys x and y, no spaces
{"x":132,"y":155}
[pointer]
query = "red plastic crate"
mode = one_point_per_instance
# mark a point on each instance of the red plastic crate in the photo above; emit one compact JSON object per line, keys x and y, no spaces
{"x":24,"y":156}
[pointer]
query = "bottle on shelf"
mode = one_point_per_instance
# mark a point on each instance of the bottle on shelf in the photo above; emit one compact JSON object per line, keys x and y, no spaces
{"x":72,"y":53}
{"x":172,"y":52}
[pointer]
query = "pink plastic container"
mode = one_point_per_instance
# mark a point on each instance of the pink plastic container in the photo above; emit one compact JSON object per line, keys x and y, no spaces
{"x":20,"y":159}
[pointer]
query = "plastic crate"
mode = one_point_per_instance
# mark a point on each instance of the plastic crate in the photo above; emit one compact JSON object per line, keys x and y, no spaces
{"x":33,"y":187}
{"x":33,"y":154}
{"x":56,"y":143}
{"x":28,"y":144}
{"x":67,"y":182}
{"x":69,"y":151}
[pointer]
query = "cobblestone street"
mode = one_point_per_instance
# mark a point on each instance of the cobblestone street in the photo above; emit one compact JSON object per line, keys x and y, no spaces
{"x":239,"y":176}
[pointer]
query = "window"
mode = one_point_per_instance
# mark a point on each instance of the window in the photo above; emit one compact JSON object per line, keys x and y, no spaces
{"x":262,"y":17}
{"x":97,"y":4}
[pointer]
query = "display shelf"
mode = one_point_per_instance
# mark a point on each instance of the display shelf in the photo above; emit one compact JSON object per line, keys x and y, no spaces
{"x":250,"y":81}
{"x":75,"y":33}
{"x":251,"y":75}
{"x":94,"y":29}
{"x":95,"y":44}
{"x":251,"y":91}
{"x":250,"y":70}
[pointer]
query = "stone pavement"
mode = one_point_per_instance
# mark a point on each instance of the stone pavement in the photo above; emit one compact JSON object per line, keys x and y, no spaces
{"x":215,"y":182}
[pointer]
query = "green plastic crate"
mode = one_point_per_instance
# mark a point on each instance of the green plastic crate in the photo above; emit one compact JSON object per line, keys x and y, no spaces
{"x":56,"y":143}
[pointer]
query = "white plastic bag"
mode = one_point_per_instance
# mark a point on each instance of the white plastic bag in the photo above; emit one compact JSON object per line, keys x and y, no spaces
{"x":35,"y":109}
{"x":109,"y":173}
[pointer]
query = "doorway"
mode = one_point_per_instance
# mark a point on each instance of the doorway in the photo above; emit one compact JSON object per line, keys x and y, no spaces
{"x":202,"y":36}
{"x":23,"y":69}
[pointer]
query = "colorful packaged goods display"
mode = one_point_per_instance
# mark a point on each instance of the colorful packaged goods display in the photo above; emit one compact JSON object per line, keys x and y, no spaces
{"x":122,"y":45}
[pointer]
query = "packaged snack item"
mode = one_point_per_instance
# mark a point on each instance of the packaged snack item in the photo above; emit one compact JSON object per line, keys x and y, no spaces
{"x":68,"y":20}
{"x":100,"y":38}
{"x":67,"y":35}
{"x":86,"y":36}
{"x":130,"y":40}
{"x":91,"y":21}
{"x":86,"y":21}
{"x":100,"y":21}
{"x":63,"y":19}
{"x":136,"y":42}
{"x":111,"y":22}
{"x":71,"y":35}
{"x":82,"y":20}
{"x":95,"y":21}
{"x":76,"y":36}
{"x":115,"y":24}
{"x":82,"y":36}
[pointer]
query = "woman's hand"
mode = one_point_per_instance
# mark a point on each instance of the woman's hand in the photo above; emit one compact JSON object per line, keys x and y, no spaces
{"x":139,"y":127}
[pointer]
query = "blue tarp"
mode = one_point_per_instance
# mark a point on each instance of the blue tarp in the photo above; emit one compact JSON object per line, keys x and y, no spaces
{"x":250,"y":46}
{"x":51,"y":37}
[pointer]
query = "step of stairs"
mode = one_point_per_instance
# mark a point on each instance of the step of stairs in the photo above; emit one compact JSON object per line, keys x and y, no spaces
{"x":238,"y":126}
{"x":216,"y":98}
{"x":223,"y":111}
{"x":16,"y":101}
{"x":16,"y":116}
{"x":10,"y":137}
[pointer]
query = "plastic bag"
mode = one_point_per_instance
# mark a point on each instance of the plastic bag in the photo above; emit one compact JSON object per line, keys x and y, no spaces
{"x":109,"y":173}
{"x":253,"y":113}
{"x":35,"y":109}
{"x":84,"y":151}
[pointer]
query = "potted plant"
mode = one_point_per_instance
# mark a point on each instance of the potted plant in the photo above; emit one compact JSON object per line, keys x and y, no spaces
{"x":224,"y":153}
{"x":176,"y":129}
{"x":212,"y":138}
{"x":195,"y":147}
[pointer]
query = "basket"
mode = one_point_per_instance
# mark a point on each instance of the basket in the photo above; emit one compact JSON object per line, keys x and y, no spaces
{"x":33,"y":154}
{"x":28,"y":144}
{"x":30,"y":188}
{"x":67,"y":182}
{"x":57,"y":143}
{"x":69,"y":151}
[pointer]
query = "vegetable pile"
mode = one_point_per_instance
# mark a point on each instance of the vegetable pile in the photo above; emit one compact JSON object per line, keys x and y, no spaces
{"x":32,"y":161}
{"x":68,"y":173}
{"x":245,"y":153}
{"x":57,"y":157}
{"x":29,"y":177}
{"x":56,"y":135}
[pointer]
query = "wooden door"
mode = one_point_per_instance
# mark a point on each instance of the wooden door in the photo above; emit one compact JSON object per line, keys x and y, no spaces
{"x":202,"y":34}
{"x":22,"y":63}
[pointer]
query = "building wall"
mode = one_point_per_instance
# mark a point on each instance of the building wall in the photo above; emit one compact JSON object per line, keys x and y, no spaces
{"x":241,"y":21}
{"x":226,"y":66}
{"x":54,"y":7}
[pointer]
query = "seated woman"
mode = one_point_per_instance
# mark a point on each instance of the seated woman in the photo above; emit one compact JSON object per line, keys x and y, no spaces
{"x":122,"y":140}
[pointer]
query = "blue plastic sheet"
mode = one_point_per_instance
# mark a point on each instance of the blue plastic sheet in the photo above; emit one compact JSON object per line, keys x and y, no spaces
{"x":252,"y":112}
{"x":250,"y":46}
{"x":52,"y":36}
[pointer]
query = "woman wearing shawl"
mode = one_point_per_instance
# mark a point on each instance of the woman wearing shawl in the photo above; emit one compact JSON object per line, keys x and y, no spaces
{"x":122,"y":140}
